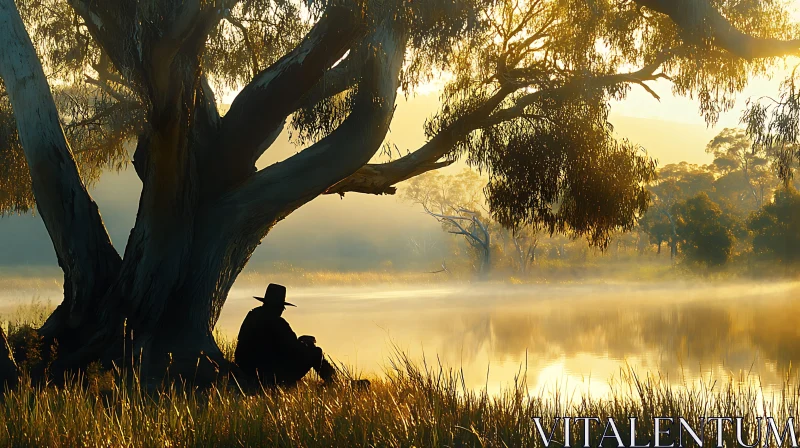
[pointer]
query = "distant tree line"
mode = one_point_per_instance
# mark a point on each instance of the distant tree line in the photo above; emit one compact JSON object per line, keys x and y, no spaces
{"x":736,"y":206}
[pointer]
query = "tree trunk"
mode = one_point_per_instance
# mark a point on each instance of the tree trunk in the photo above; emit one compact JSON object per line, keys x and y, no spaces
{"x":204,"y":207}
{"x":486,"y":262}
{"x":80,"y":240}
{"x":195,"y":229}
{"x":174,"y":335}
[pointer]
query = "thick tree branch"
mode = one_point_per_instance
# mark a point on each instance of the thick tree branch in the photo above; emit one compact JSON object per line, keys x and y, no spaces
{"x":699,"y":19}
{"x":81,"y":243}
{"x":281,"y":188}
{"x":143,"y":48}
{"x":343,"y":76}
{"x":186,"y":33}
{"x":187,"y":19}
{"x":381,"y":178}
{"x":263,"y":105}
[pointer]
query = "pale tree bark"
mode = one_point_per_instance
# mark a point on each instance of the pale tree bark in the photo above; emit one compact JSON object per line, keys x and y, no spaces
{"x":80,"y":240}
{"x":258,"y":113}
{"x":698,"y":19}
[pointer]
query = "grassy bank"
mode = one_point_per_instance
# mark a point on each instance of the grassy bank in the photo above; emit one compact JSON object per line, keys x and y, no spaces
{"x":407,"y":406}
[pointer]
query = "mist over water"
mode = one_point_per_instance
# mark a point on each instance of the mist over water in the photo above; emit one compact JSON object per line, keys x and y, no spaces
{"x":570,"y":338}
{"x":574,"y":338}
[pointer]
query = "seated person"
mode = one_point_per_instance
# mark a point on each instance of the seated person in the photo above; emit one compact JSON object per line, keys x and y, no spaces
{"x":269,"y":350}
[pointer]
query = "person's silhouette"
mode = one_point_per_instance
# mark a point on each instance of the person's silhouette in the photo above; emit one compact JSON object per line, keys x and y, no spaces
{"x":269,"y":350}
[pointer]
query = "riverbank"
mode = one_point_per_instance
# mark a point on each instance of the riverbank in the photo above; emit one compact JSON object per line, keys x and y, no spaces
{"x":577,"y":335}
{"x":409,"y":405}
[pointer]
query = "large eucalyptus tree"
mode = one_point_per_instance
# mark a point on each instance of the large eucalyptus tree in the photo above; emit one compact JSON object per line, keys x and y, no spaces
{"x":527,"y":99}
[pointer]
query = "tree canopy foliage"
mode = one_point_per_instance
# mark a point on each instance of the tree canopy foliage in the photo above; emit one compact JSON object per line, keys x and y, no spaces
{"x":526,"y":101}
{"x":675,"y":183}
{"x":706,"y":233}
{"x":776,"y":228}
{"x":746,"y":175}
{"x":740,"y":180}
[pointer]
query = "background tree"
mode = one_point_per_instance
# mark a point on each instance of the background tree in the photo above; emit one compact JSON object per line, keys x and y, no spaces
{"x":705,"y":233}
{"x":738,"y":180}
{"x":458,"y":203}
{"x":776,"y":228}
{"x":675,"y":182}
{"x":744,"y":173}
{"x":659,"y":230}
{"x":525,"y":241}
{"x":527,"y":104}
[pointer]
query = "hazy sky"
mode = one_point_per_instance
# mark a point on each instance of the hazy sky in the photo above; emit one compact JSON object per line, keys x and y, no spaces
{"x":356,"y":231}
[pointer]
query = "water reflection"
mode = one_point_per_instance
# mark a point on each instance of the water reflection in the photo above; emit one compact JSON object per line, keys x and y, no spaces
{"x":572,"y":337}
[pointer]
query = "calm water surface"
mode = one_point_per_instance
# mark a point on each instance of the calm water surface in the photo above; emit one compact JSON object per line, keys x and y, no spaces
{"x":569,"y":338}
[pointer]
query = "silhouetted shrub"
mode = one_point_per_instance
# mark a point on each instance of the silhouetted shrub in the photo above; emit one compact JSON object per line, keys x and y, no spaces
{"x":776,"y":228}
{"x":706,"y":233}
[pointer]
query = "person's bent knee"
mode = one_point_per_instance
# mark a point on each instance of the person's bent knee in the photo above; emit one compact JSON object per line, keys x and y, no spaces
{"x":314,"y":354}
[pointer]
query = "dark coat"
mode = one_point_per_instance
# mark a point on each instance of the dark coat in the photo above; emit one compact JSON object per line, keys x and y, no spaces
{"x":268,"y":347}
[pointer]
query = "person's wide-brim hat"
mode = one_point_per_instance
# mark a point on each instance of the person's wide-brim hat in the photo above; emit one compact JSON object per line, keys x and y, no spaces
{"x":276,"y":294}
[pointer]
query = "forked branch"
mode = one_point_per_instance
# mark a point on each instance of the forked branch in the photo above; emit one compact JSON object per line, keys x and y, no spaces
{"x":281,"y":188}
{"x":263,"y":105}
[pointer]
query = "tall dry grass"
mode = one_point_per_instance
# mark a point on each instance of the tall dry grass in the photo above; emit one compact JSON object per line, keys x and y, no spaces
{"x":409,"y":405}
